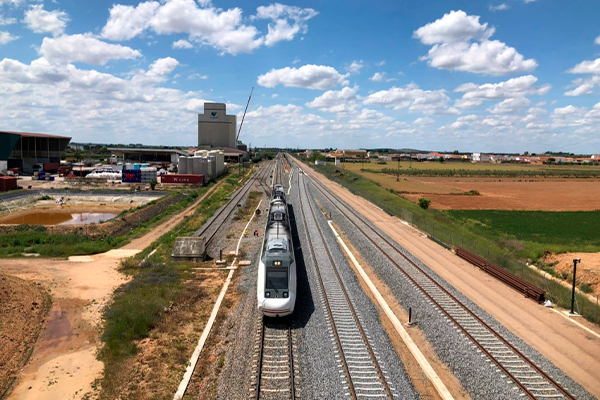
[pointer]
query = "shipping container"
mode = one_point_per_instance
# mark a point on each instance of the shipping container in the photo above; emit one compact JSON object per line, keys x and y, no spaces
{"x":180,"y":178}
{"x":51,"y":167}
{"x":131,"y":176}
{"x":8,"y":183}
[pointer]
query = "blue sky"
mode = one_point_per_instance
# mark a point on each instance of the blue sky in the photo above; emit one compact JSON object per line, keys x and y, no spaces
{"x":499,"y":76}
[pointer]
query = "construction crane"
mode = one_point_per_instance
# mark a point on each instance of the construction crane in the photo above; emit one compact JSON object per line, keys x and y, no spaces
{"x":242,"y":123}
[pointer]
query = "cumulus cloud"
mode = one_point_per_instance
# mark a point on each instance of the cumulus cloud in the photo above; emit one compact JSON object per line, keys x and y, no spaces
{"x":41,"y":21}
{"x":378,"y":77}
{"x":499,"y":7}
{"x":182,"y":44}
{"x":336,"y":101}
{"x":197,"y":76}
{"x":597,"y":41}
{"x":461,"y":43}
{"x":510,"y":106}
{"x":355,"y":67}
{"x":206,"y":24}
{"x":380,"y":63}
{"x":414,"y":99}
{"x":7,"y":21}
{"x":280,"y":28}
{"x":84,"y":48}
{"x":519,"y":87}
{"x":309,"y":76}
{"x":583,"y":86}
{"x":6,"y":37}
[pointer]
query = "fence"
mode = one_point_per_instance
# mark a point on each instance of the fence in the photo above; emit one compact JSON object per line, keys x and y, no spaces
{"x":446,"y":231}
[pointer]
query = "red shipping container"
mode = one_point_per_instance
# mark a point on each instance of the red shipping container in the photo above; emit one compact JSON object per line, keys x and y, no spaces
{"x":180,"y":178}
{"x":51,"y":167}
{"x":8,"y":183}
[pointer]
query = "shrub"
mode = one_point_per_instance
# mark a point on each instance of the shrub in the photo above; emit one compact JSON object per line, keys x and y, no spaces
{"x":424,"y":203}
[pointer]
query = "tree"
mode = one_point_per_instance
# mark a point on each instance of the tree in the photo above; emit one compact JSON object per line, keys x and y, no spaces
{"x":441,"y":159}
{"x":455,"y":152}
{"x":153,"y":183}
{"x":424,"y":203}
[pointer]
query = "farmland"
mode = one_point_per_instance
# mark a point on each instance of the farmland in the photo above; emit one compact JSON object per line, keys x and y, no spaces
{"x":533,"y":193}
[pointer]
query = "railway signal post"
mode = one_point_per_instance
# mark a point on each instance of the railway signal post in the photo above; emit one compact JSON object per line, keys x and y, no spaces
{"x":575,"y":262}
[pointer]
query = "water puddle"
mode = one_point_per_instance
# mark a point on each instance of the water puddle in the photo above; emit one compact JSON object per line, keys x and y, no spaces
{"x":58,"y":218}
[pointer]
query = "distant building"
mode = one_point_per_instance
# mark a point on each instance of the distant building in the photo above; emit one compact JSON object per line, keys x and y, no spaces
{"x":146,"y":155}
{"x":216,"y":129}
{"x":25,"y":151}
{"x":481,"y":157}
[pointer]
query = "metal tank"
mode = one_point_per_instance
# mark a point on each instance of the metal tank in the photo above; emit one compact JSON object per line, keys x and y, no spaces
{"x":182,"y":165}
{"x":190,"y":165}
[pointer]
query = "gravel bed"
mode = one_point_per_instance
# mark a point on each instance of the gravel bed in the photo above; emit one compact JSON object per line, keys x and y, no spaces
{"x":369,"y":316}
{"x":476,"y":372}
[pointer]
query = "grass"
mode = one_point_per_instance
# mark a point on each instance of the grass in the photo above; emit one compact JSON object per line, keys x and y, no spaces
{"x":432,"y":166}
{"x":37,"y":239}
{"x":532,"y":233}
{"x":139,"y":306}
{"x":454,"y":232}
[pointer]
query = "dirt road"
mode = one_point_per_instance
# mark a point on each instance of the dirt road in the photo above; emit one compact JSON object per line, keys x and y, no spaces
{"x":64,"y":364}
{"x":568,"y":346}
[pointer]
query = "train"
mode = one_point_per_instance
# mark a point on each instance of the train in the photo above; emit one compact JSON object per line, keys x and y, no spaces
{"x":276,"y":285}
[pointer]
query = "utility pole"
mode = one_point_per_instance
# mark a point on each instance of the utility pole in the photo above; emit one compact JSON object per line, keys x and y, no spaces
{"x":575,"y":262}
{"x":398,"y":173}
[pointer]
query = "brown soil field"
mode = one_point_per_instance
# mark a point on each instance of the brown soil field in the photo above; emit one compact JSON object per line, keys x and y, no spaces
{"x":23,"y":309}
{"x":508,"y":194}
{"x":588,"y":272}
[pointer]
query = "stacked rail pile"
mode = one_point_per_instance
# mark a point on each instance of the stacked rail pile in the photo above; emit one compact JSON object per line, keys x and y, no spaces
{"x":503,"y":275}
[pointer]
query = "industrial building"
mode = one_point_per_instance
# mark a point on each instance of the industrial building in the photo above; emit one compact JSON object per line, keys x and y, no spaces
{"x":216,"y":129}
{"x":147,"y":155}
{"x":30,"y":151}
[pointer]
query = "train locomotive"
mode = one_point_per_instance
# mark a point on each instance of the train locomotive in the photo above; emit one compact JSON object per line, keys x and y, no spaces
{"x":276,"y":286}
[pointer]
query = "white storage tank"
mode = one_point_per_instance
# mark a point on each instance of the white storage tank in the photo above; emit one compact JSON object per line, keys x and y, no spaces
{"x":182,"y":165}
{"x":190,"y":165}
{"x":196,"y":169}
{"x":213,"y":166}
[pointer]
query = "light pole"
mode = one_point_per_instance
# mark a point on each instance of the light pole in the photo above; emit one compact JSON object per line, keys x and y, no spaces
{"x":398,"y":173}
{"x":575,"y":262}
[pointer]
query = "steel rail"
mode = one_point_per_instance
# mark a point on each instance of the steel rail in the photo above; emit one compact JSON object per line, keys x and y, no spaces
{"x":327,"y":305}
{"x":347,"y":297}
{"x":290,"y":352}
{"x":239,"y":194}
{"x":521,"y":386}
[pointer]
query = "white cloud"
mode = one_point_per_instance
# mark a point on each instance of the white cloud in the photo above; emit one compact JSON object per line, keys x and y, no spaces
{"x":423,"y":121}
{"x":529,"y":1}
{"x":414,"y":99}
{"x":42,"y":21}
{"x":456,"y":26}
{"x":206,"y":24}
{"x":126,"y":22}
{"x":281,"y":29}
{"x":336,"y":101}
{"x":380,"y":63}
{"x":585,"y":85}
{"x":355,"y":67}
{"x":597,"y":41}
{"x":453,"y":48}
{"x":182,"y":44}
{"x":522,"y":86}
{"x":296,"y":61}
{"x":308,"y":76}
{"x":499,"y":7}
{"x":510,"y":106}
{"x":6,"y":37}
{"x":7,"y":21}
{"x":84,"y":48}
{"x":378,"y":77}
{"x":197,"y":76}
{"x":87,"y":104}
{"x":274,"y":96}
{"x":586,"y":67}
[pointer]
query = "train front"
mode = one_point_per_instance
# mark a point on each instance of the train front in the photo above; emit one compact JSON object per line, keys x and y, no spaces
{"x":277,"y":297}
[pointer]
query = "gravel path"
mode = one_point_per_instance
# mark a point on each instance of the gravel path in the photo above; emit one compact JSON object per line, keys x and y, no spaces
{"x":475,"y":372}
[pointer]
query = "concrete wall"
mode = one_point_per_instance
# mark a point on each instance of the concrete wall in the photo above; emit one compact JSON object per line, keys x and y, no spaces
{"x":215,"y":127}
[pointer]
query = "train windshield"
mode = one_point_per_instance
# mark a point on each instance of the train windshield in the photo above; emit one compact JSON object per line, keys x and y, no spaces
{"x":277,"y":244}
{"x":277,"y":279}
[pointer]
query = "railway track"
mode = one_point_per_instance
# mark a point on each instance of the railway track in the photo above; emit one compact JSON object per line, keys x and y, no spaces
{"x":525,"y":374}
{"x":361,"y":368}
{"x":210,"y":229}
{"x":275,"y":375}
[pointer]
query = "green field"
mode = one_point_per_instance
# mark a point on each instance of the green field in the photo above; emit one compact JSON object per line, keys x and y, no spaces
{"x":531,"y":233}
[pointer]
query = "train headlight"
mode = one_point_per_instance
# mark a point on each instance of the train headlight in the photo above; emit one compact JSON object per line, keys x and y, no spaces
{"x":285,"y":295}
{"x":267,"y":294}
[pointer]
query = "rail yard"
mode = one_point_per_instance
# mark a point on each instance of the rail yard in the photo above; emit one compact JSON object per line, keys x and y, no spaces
{"x":339,"y":342}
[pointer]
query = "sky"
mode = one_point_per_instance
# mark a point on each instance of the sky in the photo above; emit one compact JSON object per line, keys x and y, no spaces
{"x":497,"y":76}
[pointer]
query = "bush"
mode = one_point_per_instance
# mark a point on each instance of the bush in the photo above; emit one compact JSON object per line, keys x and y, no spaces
{"x":424,"y":203}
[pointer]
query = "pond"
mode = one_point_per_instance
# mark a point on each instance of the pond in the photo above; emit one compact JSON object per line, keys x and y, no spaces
{"x":57,"y":218}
